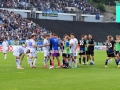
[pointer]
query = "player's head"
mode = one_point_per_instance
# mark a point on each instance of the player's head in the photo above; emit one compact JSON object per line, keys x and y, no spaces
{"x":85,"y":37}
{"x":90,"y":36}
{"x":51,"y":35}
{"x":47,"y":36}
{"x":55,"y":35}
{"x":66,"y":38}
{"x":82,"y":36}
{"x":29,"y":37}
{"x":4,"y":39}
{"x":33,"y":36}
{"x":117,"y":37}
{"x":109,"y":37}
{"x":72,"y":36}
{"x":28,"y":51}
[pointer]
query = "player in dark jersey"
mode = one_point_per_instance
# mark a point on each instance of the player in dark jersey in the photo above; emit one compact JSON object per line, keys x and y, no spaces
{"x":82,"y":44}
{"x":86,"y":49}
{"x":91,"y":48}
{"x":110,"y":50}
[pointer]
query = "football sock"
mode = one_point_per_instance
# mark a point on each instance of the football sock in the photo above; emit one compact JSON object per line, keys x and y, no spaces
{"x":84,"y":60}
{"x":5,"y":56}
{"x":44,"y":61}
{"x":106,"y":62}
{"x":70,"y":62}
{"x":117,"y":61}
{"x":34,"y":62}
{"x":63,"y":62}
{"x":87,"y":59}
{"x":75,"y":62}
{"x":58,"y":63}
{"x":80,"y":60}
{"x":28,"y":59}
{"x":30,"y":62}
{"x":50,"y":63}
{"x":18,"y":63}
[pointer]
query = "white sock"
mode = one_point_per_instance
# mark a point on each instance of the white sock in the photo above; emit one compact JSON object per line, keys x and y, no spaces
{"x":76,"y":62}
{"x":28,"y":59}
{"x":45,"y":61}
{"x":30,"y":62}
{"x":18,"y":63}
{"x":34,"y":62}
{"x":5,"y":55}
{"x":70,"y":62}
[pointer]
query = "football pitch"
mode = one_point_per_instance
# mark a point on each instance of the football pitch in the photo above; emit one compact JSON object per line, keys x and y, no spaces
{"x":85,"y":77}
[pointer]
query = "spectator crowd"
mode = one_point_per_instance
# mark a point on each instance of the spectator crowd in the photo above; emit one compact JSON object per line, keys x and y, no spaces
{"x":14,"y":27}
{"x":50,"y":5}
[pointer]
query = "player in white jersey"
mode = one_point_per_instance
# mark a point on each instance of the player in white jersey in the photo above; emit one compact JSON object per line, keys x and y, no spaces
{"x":19,"y":52}
{"x":5,"y":48}
{"x":33,"y":53}
{"x":46,"y":48}
{"x":73,"y":44}
{"x":28,"y":47}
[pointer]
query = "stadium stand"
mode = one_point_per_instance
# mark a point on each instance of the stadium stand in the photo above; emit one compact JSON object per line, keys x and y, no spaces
{"x":50,"y":5}
{"x":98,"y":30}
{"x":14,"y":27}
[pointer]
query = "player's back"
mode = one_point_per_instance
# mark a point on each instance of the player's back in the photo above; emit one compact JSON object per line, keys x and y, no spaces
{"x":82,"y":43}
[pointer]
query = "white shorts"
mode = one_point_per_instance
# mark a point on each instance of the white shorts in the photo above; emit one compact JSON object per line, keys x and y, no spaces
{"x":4,"y":50}
{"x":16,"y":53}
{"x":46,"y":53}
{"x":33,"y":54}
{"x":73,"y":53}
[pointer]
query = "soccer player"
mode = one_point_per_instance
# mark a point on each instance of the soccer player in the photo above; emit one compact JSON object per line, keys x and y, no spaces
{"x":82,"y":44}
{"x":66,"y":52}
{"x":91,"y":48}
{"x":54,"y":52}
{"x":63,"y":53}
{"x":46,"y":47}
{"x":73,"y":45}
{"x":110,"y":50}
{"x":86,"y":49}
{"x":117,"y":47}
{"x":33,"y":54}
{"x":28,"y":47}
{"x":19,"y":52}
{"x":5,"y":47}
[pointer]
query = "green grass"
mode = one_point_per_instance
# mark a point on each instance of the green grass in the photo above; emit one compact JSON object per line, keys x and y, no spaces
{"x":85,"y":77}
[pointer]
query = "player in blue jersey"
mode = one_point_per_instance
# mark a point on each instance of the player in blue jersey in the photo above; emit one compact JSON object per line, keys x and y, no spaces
{"x":55,"y":51}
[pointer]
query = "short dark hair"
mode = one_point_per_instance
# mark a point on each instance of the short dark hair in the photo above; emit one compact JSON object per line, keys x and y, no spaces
{"x":72,"y":34}
{"x":82,"y":35}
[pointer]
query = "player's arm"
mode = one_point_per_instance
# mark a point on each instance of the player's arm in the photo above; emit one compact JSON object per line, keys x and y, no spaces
{"x":45,"y":44}
{"x":106,"y":43}
{"x":76,"y":45}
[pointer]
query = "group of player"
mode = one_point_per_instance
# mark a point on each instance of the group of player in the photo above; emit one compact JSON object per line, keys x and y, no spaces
{"x":69,"y":47}
{"x":113,"y":49}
